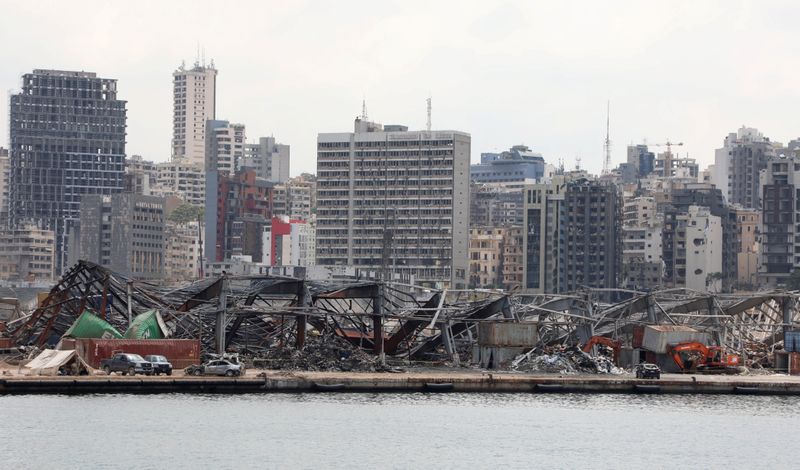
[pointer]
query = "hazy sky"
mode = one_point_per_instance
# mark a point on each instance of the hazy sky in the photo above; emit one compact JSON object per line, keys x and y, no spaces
{"x":537,"y":73}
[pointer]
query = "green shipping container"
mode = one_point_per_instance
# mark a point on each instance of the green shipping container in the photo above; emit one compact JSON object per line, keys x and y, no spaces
{"x":148,"y":325}
{"x":89,"y":325}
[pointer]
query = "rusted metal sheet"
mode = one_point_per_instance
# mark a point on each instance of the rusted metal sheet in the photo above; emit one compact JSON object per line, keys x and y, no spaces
{"x":6,"y":343}
{"x":180,"y":352}
{"x":794,"y":363}
{"x":658,"y":338}
{"x":508,"y":334}
{"x":638,"y":336}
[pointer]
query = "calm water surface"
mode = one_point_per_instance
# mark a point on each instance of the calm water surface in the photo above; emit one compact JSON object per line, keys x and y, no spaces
{"x":398,"y":431}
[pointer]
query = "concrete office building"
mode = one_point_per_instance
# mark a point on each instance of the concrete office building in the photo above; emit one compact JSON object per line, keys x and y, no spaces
{"x":141,"y":176}
{"x":737,"y":166}
{"x":5,"y":165}
{"x":641,"y":160}
{"x":67,"y":136}
{"x":495,"y":205}
{"x":194,"y":103}
{"x":123,"y":232}
{"x":394,"y":203}
{"x":269,"y":158}
{"x":181,"y":252}
{"x":572,"y":236}
{"x":701,"y":249}
{"x":224,"y":146}
{"x":517,"y":164}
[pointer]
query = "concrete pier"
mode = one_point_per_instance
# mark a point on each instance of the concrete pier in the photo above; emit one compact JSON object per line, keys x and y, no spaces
{"x":429,"y":382}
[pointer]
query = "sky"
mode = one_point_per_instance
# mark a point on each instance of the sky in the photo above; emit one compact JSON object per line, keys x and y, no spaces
{"x":527,"y":72}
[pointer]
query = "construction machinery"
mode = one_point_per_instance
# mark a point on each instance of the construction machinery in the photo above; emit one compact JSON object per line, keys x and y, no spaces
{"x":694,"y":356}
{"x":614,"y":344}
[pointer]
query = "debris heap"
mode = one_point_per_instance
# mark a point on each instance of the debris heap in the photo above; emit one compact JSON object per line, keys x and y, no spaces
{"x":568,"y":361}
{"x":320,"y":354}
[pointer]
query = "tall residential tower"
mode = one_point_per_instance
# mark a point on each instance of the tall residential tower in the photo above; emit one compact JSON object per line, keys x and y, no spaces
{"x":194,"y":103}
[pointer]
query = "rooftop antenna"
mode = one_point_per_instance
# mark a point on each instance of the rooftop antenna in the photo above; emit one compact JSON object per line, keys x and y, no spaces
{"x":607,"y":143}
{"x":203,"y":56}
{"x":363,"y":109}
{"x":428,"y":126}
{"x":578,"y":162}
{"x":197,"y":57}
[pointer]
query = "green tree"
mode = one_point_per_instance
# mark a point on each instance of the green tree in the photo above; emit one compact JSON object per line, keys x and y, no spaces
{"x":186,"y":213}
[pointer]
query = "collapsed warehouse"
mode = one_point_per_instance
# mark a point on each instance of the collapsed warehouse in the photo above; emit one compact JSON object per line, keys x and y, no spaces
{"x":282,"y":322}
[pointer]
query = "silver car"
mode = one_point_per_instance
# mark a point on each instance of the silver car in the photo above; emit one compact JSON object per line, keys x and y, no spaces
{"x":219,"y":367}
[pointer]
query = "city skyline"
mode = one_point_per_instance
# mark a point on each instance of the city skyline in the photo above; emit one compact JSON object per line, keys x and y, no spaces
{"x":507,"y":74}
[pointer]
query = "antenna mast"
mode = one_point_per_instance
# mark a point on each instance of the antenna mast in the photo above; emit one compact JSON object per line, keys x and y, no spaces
{"x":429,"y":114}
{"x":364,"y":109}
{"x":607,"y":143}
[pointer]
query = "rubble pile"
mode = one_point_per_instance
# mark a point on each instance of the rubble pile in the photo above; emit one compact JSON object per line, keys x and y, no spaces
{"x":568,"y":361}
{"x":320,"y":354}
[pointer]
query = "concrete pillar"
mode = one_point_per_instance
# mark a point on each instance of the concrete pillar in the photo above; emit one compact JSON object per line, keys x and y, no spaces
{"x":377,"y":325}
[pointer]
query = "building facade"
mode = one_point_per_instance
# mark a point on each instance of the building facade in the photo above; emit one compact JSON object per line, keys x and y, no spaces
{"x":27,"y":254}
{"x":238,"y":208}
{"x":495,"y":205}
{"x":289,"y":242}
{"x":517,"y":164}
{"x":123,"y":232}
{"x":269,"y":158}
{"x":181,"y":252}
{"x":141,"y":176}
{"x":780,"y":215}
{"x":572,"y":235}
{"x":194,"y":103}
{"x":186,"y":181}
{"x":225,"y":144}
{"x":67,"y":140}
{"x":394,"y":204}
{"x":737,"y":166}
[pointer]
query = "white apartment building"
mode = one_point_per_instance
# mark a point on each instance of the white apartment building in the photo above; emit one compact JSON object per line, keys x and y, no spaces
{"x":269,"y":158}
{"x":4,"y":167}
{"x":395,"y":204}
{"x":181,"y":252}
{"x":224,"y":146}
{"x":703,"y":249}
{"x":194,"y":103}
{"x":184,"y":180}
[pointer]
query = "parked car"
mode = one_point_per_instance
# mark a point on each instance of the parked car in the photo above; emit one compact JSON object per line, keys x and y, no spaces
{"x":160,"y":364}
{"x":126,"y":363}
{"x":647,"y":370}
{"x":216,"y":367}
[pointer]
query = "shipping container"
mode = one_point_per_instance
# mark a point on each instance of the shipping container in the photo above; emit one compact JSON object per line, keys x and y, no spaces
{"x":781,"y":362}
{"x":791,"y":341}
{"x":658,"y":338}
{"x":6,"y":343}
{"x":508,"y":334}
{"x":180,"y":352}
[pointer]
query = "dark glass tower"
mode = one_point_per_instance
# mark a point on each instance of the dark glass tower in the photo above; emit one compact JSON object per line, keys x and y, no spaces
{"x":67,"y":139}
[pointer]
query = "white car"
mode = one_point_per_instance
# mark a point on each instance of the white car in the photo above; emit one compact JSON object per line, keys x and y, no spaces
{"x":218,"y":367}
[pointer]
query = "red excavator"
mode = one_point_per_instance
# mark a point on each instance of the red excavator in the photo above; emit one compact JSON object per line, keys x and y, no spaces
{"x":694,"y":356}
{"x":603,"y":341}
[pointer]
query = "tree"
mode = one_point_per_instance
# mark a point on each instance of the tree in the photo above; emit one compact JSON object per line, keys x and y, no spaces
{"x":186,"y":213}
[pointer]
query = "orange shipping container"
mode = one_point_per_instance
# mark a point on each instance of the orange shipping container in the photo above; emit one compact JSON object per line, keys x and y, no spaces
{"x":180,"y":352}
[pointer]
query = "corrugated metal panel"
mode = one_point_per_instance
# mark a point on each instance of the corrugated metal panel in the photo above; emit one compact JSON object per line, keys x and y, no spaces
{"x":508,"y":334}
{"x":180,"y":352}
{"x":791,"y":341}
{"x":6,"y":343}
{"x":658,"y":338}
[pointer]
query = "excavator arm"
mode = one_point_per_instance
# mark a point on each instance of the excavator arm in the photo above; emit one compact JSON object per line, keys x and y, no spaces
{"x":615,"y":345}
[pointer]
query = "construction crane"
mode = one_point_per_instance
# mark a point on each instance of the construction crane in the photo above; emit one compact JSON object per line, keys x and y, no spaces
{"x":607,"y":142}
{"x":667,"y":170}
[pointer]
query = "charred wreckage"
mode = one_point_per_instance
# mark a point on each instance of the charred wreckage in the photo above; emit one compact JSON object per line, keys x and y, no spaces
{"x":283,"y":322}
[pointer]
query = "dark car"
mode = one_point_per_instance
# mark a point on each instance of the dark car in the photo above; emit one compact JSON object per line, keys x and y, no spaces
{"x":127,"y":363}
{"x":646,"y":370}
{"x":160,"y":364}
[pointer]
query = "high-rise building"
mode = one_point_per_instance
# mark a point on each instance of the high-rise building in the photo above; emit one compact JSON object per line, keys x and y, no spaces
{"x":515,"y":165}
{"x":641,"y":159}
{"x":123,"y":232}
{"x":495,"y":205}
{"x":67,"y":136}
{"x":5,"y":165}
{"x":572,"y":235}
{"x":238,"y":207}
{"x":181,"y":251}
{"x":288,"y":242}
{"x":269,"y":158}
{"x":224,"y":146}
{"x":737,"y":166}
{"x":394,"y":203}
{"x":194,"y":103}
{"x":780,"y":249}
